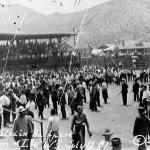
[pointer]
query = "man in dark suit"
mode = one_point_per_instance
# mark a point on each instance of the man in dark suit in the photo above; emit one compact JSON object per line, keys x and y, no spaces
{"x":40,"y":103}
{"x":141,"y":128}
{"x":62,"y":102}
{"x":136,"y":90}
{"x":124,"y":92}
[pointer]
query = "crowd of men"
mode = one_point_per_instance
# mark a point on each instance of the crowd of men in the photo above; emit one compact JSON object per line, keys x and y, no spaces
{"x":32,"y":90}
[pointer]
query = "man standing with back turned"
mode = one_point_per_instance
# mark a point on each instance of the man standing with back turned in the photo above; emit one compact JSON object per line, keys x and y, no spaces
{"x":141,"y":128}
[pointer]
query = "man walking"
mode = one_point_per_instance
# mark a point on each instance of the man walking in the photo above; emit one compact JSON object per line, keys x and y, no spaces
{"x":40,"y":103}
{"x":124,"y":92}
{"x":105,"y":91}
{"x":136,"y":90}
{"x":62,"y":102}
{"x":23,"y":130}
{"x":141,"y":128}
{"x":5,"y":101}
{"x":52,"y":134}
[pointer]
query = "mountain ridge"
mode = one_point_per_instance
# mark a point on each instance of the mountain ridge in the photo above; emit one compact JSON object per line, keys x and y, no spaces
{"x":109,"y":22}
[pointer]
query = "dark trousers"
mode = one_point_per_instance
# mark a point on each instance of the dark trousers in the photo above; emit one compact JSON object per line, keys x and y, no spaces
{"x":124,"y":98}
{"x":72,"y":108}
{"x":55,"y":105}
{"x":93,"y":105}
{"x":105,"y":95}
{"x":5,"y":115}
{"x":13,"y":114}
{"x":81,"y":131}
{"x":98,"y":101}
{"x":0,"y":122}
{"x":33,"y":96}
{"x":41,"y":109}
{"x":136,"y":96}
{"x":63,"y":111}
{"x":71,"y":103}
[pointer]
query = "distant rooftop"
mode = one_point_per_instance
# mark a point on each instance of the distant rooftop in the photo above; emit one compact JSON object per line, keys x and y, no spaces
{"x":132,"y":44}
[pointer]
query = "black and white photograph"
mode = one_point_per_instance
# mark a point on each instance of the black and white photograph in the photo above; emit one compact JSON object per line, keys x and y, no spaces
{"x":74,"y":74}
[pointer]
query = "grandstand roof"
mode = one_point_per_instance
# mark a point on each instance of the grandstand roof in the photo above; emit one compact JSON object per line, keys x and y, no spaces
{"x":4,"y":36}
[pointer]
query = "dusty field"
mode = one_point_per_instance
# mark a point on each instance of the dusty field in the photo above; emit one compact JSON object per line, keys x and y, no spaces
{"x":119,"y":118}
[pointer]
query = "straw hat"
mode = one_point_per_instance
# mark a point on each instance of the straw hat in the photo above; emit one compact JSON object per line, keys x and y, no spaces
{"x":107,"y":132}
{"x":141,"y":110}
{"x":21,"y":109}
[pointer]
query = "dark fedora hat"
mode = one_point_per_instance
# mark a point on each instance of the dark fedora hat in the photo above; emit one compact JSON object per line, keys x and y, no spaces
{"x":115,"y":141}
{"x":141,"y":109}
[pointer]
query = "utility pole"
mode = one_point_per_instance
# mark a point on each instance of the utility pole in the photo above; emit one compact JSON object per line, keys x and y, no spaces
{"x":74,"y":37}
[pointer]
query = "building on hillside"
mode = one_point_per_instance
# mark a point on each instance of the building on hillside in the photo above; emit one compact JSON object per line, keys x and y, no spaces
{"x":85,"y":55}
{"x":133,"y":52}
{"x":134,"y":47}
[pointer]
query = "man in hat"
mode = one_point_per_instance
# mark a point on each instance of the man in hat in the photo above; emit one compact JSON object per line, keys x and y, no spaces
{"x":13,"y":98}
{"x":148,"y":107}
{"x":62,"y":102}
{"x":1,"y":112}
{"x":141,"y":128}
{"x":146,"y":94}
{"x":78,"y":127}
{"x":71,"y":97}
{"x":55,"y":97}
{"x":116,"y":144}
{"x":22,"y":129}
{"x":23,"y":99}
{"x":90,"y":93}
{"x":124,"y":91}
{"x":107,"y":134}
{"x":95,"y":97}
{"x":136,"y":90}
{"x":105,"y":91}
{"x":40,"y":103}
{"x":141,"y":95}
{"x":30,"y":116}
{"x":52,"y":133}
{"x":5,"y":101}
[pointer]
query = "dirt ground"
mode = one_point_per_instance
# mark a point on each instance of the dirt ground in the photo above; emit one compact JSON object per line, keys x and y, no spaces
{"x":118,"y":118}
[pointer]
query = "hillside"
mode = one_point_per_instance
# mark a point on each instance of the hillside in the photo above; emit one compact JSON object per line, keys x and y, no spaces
{"x":32,"y":23}
{"x":110,"y":22}
{"x":116,"y":21}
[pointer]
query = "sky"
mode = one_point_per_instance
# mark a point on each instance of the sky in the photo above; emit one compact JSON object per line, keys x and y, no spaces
{"x":52,"y":6}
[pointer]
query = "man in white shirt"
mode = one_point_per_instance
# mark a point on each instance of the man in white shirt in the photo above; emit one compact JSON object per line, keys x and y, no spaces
{"x":146,"y":92}
{"x":146,"y":95}
{"x":23,"y":99}
{"x":52,"y":134}
{"x":105,"y":92}
{"x":5,"y":102}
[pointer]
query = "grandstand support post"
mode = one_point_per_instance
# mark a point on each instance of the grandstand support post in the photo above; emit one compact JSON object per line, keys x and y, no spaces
{"x":60,"y":50}
{"x":105,"y":63}
{"x":42,"y":135}
{"x":36,"y":53}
